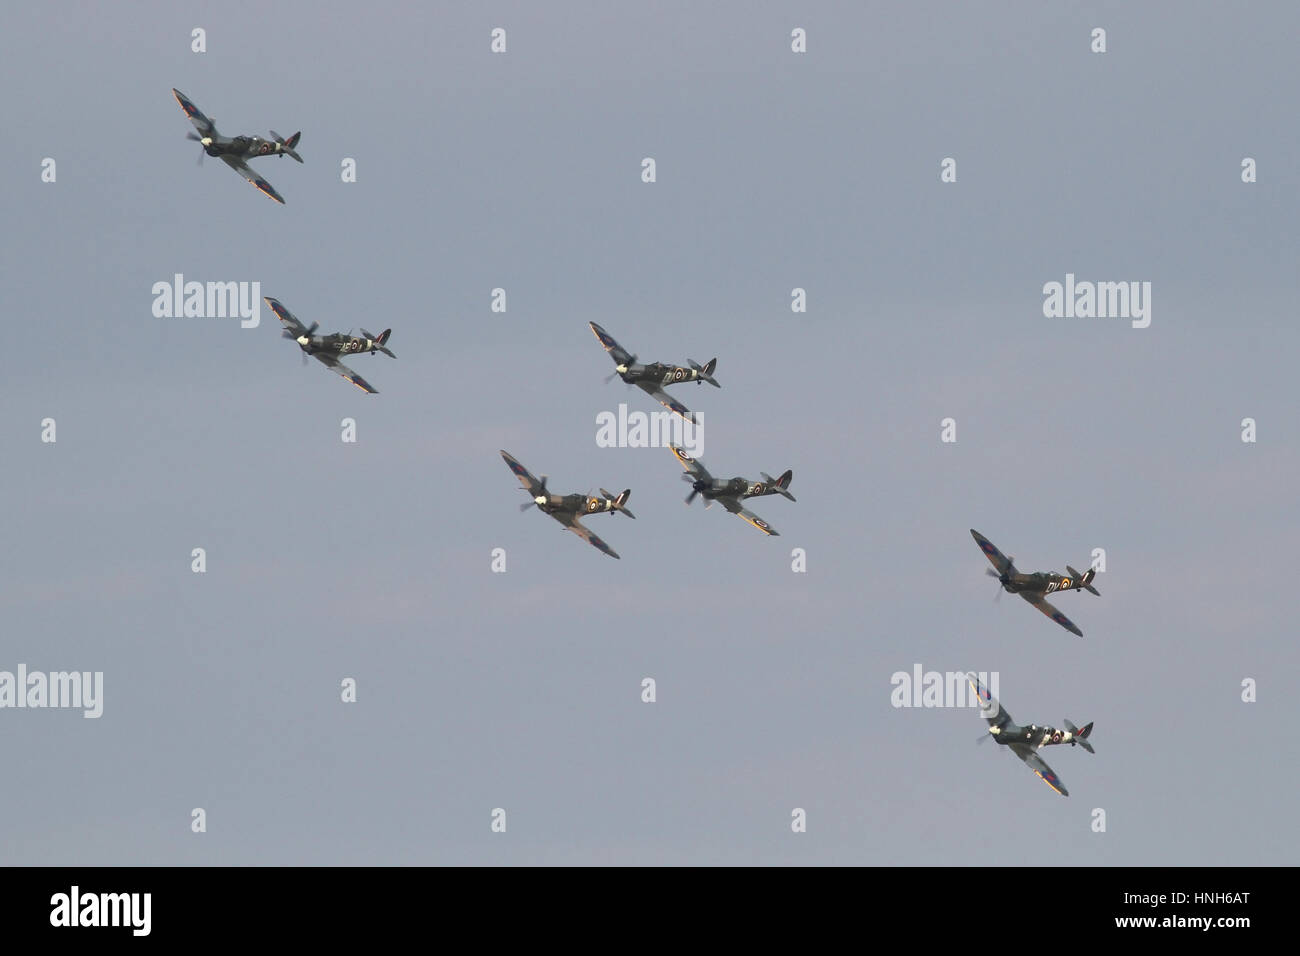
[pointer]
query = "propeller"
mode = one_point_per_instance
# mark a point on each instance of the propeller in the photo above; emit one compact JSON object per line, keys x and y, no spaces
{"x":1002,"y":579}
{"x":614,"y":374}
{"x":311,"y":330}
{"x":286,"y":334}
{"x":539,"y":492}
{"x":198,"y":139}
{"x":697,"y":485}
{"x":983,"y":737}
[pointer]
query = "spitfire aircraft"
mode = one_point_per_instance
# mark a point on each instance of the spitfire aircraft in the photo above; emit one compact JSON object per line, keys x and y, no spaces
{"x":653,"y":377}
{"x":326,"y":349}
{"x":1034,"y":587}
{"x":234,"y":150}
{"x":568,"y":509}
{"x":729,"y":492}
{"x":1025,"y":742}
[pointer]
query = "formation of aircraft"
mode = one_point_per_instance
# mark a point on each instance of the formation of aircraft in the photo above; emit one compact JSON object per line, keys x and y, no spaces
{"x":568,"y":510}
{"x":326,"y":349}
{"x":1034,"y":587}
{"x":653,"y":377}
{"x":234,"y":150}
{"x":1025,"y":742}
{"x":729,"y":492}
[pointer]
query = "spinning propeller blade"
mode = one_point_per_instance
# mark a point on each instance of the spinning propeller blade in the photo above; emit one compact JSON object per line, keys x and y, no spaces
{"x":198,"y":139}
{"x":612,"y":375}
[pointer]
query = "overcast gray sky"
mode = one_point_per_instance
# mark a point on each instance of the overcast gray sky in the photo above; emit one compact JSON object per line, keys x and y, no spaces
{"x":521,"y":690}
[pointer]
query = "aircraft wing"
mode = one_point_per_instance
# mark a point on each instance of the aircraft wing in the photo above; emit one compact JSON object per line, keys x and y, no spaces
{"x":690,"y":464}
{"x":530,"y":483}
{"x":201,"y":123}
{"x":570,"y":520}
{"x":990,"y":709}
{"x":736,"y":508}
{"x":666,"y":400}
{"x":334,"y":365}
{"x":239,"y":166}
{"x":1001,"y":563}
{"x":1037,"y":601}
{"x":620,"y":355}
{"x":1039,"y":766}
{"x":286,"y":317}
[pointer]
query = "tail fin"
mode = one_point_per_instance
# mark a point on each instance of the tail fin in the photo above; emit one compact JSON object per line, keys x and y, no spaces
{"x":778,"y":486}
{"x":621,"y":501}
{"x":1081,"y":736}
{"x":707,"y":372}
{"x":383,"y":336}
{"x":704,"y":373}
{"x":783,"y":483}
{"x":287,"y":145}
{"x":1085,"y":579}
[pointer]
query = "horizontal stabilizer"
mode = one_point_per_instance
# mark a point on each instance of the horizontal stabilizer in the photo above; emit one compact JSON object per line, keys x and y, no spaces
{"x":1085,"y":579}
{"x":1081,"y":736}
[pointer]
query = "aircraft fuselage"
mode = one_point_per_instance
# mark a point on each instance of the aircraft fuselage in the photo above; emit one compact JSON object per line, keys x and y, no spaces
{"x":1032,"y":736}
{"x":656,"y":373}
{"x":337,"y":344}
{"x":1041,"y":582}
{"x":730,"y":488}
{"x":574,"y":504}
{"x":241,"y":147}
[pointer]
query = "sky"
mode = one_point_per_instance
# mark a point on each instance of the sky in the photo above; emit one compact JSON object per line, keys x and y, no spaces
{"x":372,"y":560}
